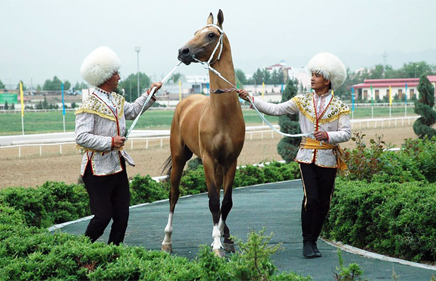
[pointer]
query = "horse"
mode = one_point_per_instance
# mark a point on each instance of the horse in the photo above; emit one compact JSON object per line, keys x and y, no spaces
{"x":211,"y":127}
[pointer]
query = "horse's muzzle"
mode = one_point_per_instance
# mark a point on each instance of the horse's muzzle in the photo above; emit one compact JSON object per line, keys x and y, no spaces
{"x":185,"y":56}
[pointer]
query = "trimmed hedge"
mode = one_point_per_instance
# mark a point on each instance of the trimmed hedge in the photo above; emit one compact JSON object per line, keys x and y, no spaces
{"x":396,"y":219}
{"x":29,"y":252}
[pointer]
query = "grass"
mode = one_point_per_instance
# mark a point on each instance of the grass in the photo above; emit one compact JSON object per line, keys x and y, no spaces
{"x":52,"y":121}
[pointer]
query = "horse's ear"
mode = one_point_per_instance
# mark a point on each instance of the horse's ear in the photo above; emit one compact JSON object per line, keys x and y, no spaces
{"x":210,"y":19}
{"x":220,"y":19}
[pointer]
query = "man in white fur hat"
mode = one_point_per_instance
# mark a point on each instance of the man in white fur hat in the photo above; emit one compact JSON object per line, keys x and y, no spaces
{"x":100,"y":131}
{"x":325,"y":118}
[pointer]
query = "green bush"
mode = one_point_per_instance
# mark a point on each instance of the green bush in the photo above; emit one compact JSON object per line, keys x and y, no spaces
{"x":145,"y":189}
{"x":61,"y":256}
{"x":30,"y":202}
{"x":391,"y":218}
{"x":249,"y":175}
{"x":51,"y":203}
{"x":64,"y":202}
{"x":423,"y":153}
{"x":377,"y":163}
{"x":193,"y":181}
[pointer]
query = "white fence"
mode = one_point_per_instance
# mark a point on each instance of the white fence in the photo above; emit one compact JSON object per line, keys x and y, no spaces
{"x":161,"y":141}
{"x":382,"y":122}
{"x":59,"y":148}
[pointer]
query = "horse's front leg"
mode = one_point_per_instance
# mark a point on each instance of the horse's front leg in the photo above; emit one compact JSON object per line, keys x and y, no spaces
{"x":227,"y":205}
{"x":214,"y":207}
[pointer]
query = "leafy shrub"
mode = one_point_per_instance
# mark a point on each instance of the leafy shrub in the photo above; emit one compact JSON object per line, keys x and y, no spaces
{"x":193,"y":181}
{"x":423,"y":153}
{"x":145,"y":189}
{"x":51,"y":203}
{"x":249,"y":175}
{"x":391,"y":218}
{"x":29,"y":202}
{"x":377,"y":163}
{"x":64,"y":202}
{"x":363,"y":162}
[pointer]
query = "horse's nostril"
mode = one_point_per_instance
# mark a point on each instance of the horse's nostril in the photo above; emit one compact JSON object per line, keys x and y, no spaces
{"x":185,"y":51}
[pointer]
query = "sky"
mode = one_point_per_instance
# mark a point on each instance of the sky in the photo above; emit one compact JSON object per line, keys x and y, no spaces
{"x":41,"y":39}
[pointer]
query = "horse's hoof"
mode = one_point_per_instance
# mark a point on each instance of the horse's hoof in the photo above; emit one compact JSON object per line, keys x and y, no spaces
{"x":167,"y":248}
{"x":219,"y":252}
{"x":229,"y":247}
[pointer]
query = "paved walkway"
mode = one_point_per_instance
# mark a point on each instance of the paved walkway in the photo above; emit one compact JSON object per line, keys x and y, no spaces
{"x":273,"y":206}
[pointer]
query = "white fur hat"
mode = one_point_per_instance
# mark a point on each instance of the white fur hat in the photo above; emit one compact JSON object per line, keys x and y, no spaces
{"x":330,"y":67}
{"x":99,"y":66}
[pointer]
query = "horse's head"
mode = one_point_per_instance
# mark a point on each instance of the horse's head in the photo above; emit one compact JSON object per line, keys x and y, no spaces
{"x":207,"y":43}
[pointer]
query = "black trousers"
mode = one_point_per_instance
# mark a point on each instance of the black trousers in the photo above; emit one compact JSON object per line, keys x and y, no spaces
{"x":109,"y":198}
{"x":318,"y":186}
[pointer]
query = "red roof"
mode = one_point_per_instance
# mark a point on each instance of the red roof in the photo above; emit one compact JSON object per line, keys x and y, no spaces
{"x":395,"y":83}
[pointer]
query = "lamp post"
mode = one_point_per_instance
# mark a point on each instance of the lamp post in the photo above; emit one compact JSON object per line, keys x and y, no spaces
{"x":137,"y":49}
{"x":416,"y":66}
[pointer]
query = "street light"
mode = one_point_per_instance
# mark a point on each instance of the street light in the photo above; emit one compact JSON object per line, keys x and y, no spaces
{"x":137,"y":49}
{"x":416,"y":66}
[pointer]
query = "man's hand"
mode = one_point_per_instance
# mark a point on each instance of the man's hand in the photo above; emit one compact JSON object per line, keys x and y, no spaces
{"x":243,"y":94}
{"x":158,"y":85}
{"x":321,"y":135}
{"x":118,"y":142}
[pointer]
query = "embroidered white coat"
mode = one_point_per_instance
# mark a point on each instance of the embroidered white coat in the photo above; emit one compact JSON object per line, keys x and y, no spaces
{"x":97,"y":123}
{"x":334,"y":120}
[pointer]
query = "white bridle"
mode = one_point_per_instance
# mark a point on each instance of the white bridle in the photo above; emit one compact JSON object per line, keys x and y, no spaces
{"x":218,"y":44}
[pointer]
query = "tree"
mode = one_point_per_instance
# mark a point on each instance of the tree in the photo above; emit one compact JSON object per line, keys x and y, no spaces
{"x":52,"y":85}
{"x":18,"y":86}
{"x":288,"y":147}
{"x":175,"y":77}
{"x":258,"y":77}
{"x":424,"y":107}
{"x":241,"y":76}
{"x":2,"y":86}
{"x":130,"y":85}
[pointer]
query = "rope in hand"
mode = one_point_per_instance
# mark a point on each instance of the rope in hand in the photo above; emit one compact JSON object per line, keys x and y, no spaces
{"x":148,"y":99}
{"x":208,"y":66}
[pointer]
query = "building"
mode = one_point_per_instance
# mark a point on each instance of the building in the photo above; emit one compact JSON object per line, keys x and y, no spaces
{"x":280,"y":67}
{"x":378,"y":89}
{"x":299,"y":74}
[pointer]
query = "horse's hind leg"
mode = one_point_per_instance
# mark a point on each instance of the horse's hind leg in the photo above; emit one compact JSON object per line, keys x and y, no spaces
{"x":176,"y":174}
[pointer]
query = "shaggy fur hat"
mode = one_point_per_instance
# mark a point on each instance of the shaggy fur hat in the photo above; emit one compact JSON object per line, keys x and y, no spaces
{"x":330,"y":67}
{"x":99,"y":66}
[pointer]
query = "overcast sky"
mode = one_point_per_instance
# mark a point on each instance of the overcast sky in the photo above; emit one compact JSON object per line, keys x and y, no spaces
{"x":43,"y":38}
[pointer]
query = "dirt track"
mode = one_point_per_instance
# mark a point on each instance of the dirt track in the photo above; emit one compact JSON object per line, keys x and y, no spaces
{"x":32,"y":170}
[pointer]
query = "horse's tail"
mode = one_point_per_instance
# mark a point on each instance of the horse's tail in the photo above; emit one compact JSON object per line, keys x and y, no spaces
{"x":167,"y":166}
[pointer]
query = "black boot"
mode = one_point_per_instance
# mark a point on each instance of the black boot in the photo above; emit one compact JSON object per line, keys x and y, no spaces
{"x":319,"y":219}
{"x":310,"y":249}
{"x":316,"y":252}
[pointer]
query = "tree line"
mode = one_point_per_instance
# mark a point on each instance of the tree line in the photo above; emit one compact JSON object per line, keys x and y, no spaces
{"x":129,"y":86}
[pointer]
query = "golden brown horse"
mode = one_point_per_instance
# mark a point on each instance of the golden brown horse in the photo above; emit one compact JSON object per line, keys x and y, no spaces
{"x":212,"y":128}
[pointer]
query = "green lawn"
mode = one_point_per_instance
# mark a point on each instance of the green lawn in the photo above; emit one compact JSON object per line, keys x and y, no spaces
{"x":52,"y":121}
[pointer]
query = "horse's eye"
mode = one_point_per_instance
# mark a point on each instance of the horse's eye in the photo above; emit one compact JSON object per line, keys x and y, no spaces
{"x":211,"y":35}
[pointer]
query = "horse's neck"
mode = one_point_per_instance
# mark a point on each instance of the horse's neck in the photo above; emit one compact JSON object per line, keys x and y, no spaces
{"x":226,"y":101}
